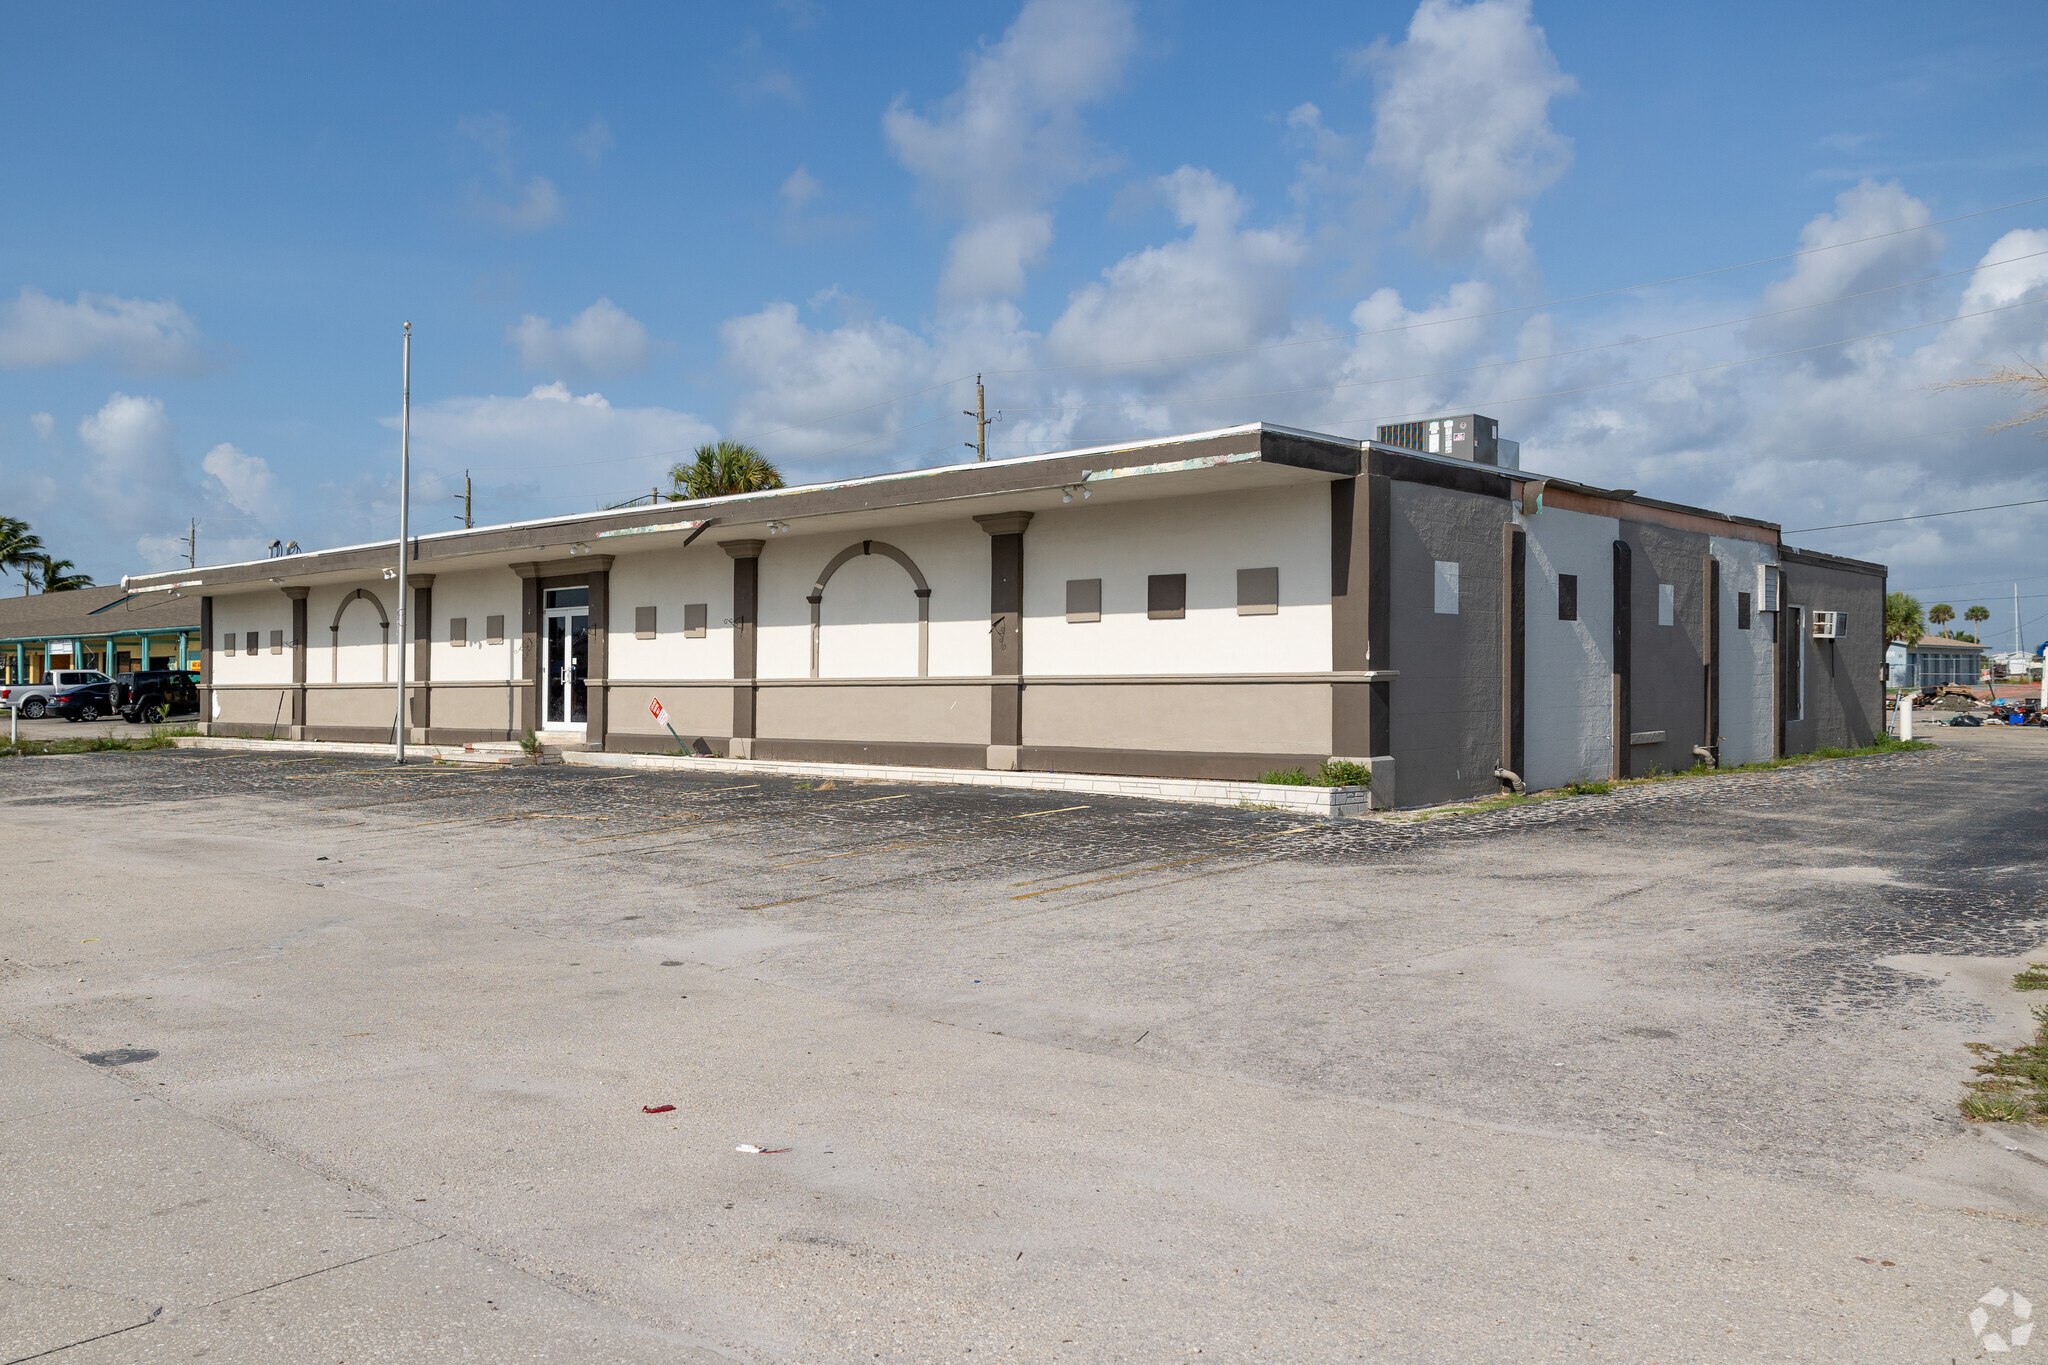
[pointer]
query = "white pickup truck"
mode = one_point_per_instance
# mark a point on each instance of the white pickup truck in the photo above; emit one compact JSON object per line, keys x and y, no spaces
{"x":32,"y":699}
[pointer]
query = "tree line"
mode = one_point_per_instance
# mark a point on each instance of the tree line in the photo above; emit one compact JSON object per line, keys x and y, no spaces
{"x":22,"y":552}
{"x":1905,"y":621}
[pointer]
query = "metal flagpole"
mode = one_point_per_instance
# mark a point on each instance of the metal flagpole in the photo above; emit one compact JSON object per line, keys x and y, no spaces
{"x":404,"y":533}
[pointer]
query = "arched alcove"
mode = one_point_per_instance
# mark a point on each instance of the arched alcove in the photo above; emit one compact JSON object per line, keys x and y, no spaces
{"x":921,"y":589}
{"x":335,"y":643}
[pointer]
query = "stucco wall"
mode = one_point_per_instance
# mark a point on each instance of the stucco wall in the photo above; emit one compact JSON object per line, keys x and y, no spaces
{"x":1191,"y":717}
{"x":1568,"y":694}
{"x":263,"y":612}
{"x":358,"y":706}
{"x":1207,"y":538}
{"x":476,"y":706}
{"x":695,"y":710}
{"x":1747,"y":719}
{"x":1445,"y":725}
{"x":1844,"y":694}
{"x":669,"y":579}
{"x":361,"y":656}
{"x":476,"y":596}
{"x":932,"y":713}
{"x":1668,"y":680}
{"x":869,"y":615}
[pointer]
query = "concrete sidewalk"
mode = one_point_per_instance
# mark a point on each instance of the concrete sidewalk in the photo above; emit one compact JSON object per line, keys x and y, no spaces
{"x":137,"y":1232}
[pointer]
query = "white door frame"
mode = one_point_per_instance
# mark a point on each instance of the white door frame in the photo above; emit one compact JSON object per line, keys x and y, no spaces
{"x":550,"y":665}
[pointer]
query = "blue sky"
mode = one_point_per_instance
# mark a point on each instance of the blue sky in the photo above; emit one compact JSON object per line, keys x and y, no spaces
{"x":619,"y":233}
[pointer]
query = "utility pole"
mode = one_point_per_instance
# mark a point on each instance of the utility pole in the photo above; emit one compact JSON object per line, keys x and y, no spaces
{"x":979,"y":445}
{"x":404,"y":535}
{"x":467,"y":521}
{"x":192,"y":546}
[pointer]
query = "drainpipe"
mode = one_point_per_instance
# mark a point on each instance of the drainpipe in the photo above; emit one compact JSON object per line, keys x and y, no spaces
{"x":1513,"y":779}
{"x":1705,"y":755}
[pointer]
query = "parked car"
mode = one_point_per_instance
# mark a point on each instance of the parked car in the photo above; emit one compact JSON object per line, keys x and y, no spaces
{"x":149,"y":697}
{"x":86,"y":701}
{"x":32,"y":699}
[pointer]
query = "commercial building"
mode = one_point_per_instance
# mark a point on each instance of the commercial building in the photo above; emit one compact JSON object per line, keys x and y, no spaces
{"x":1220,"y":604}
{"x":1932,"y":661}
{"x":103,"y":628}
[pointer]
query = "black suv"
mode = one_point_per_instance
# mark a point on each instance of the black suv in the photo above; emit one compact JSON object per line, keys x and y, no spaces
{"x":147,"y":698}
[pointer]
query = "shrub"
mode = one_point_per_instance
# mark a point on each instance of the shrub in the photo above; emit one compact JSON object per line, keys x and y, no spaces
{"x":1286,"y":777}
{"x":2034,"y":978}
{"x":1340,"y":772}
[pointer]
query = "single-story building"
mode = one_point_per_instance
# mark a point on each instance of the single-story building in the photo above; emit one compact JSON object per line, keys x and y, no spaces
{"x":1221,"y":604}
{"x":1933,"y":660}
{"x":108,"y":629}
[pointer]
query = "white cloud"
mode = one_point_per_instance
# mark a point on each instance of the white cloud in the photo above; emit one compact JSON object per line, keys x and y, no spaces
{"x":1000,"y":149}
{"x":44,"y":424}
{"x":503,"y":199}
{"x":149,"y":336}
{"x":1461,"y":121}
{"x":593,"y":141}
{"x":1221,"y":286}
{"x":799,"y":189}
{"x":796,"y":373}
{"x":576,"y":446}
{"x":602,"y":339}
{"x":244,"y":481}
{"x":1870,"y":210}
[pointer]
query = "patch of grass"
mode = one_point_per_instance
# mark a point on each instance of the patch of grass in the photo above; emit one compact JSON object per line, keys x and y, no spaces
{"x":2014,"y":1084}
{"x":2034,"y":978}
{"x":1586,"y":789}
{"x":1333,"y":773}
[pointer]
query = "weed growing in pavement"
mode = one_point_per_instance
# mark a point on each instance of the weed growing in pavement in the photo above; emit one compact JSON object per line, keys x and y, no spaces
{"x":2014,"y":1088}
{"x":1885,"y":745}
{"x":2034,"y":978}
{"x":530,"y":742}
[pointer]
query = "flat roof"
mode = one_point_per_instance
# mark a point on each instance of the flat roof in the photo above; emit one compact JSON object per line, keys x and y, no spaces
{"x":1252,"y":455}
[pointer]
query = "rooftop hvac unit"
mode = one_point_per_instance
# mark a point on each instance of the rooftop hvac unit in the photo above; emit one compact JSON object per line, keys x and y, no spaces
{"x":1471,"y":437}
{"x":1766,"y":587}
{"x":1828,"y":625}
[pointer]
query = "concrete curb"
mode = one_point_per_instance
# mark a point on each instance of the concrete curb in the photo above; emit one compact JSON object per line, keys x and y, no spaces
{"x":1331,"y":802}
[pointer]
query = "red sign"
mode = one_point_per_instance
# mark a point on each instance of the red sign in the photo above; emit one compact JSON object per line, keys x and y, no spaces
{"x":660,"y":713}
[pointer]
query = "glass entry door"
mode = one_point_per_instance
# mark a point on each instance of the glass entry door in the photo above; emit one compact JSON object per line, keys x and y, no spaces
{"x":565,"y":659}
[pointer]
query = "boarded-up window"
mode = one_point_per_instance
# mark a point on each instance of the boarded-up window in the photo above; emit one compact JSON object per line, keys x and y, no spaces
{"x":643,"y":623}
{"x":277,"y":642}
{"x":250,"y":641}
{"x":227,"y":643}
{"x":1567,"y":597}
{"x":458,"y":631}
{"x":696,"y":617}
{"x":1166,"y":596}
{"x":494,"y":630}
{"x":1742,"y":611}
{"x":1258,"y":592}
{"x":1084,"y":599}
{"x":1446,"y":587}
{"x":1667,"y":604}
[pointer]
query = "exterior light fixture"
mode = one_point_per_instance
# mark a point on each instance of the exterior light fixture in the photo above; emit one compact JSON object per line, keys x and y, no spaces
{"x":390,"y":574}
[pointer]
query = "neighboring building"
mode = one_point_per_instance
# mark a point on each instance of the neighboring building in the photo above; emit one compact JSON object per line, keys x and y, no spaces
{"x":1932,"y":661}
{"x":103,"y":628}
{"x":1220,"y":604}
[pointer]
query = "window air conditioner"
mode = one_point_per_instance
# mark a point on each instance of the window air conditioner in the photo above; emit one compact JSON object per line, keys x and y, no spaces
{"x":1766,"y":587}
{"x":1827,"y":625}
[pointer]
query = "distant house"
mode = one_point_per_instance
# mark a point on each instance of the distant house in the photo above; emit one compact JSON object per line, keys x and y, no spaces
{"x":1931,"y":661}
{"x":104,"y":628}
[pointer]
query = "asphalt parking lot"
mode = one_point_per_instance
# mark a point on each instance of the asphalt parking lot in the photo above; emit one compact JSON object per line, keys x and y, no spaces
{"x":1667,"y":1074}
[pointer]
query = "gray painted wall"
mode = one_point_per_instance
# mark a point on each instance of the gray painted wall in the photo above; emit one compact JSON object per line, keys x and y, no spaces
{"x":1668,"y":683}
{"x":1569,"y":692}
{"x":1844,"y":689}
{"x":1446,"y":703}
{"x":1748,"y":657}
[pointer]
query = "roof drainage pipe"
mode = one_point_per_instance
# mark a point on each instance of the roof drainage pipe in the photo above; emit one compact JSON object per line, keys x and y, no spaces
{"x":1705,"y":755}
{"x":1513,"y":779}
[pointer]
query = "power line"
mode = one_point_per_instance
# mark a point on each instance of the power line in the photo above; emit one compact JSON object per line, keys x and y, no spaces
{"x":1918,"y":516}
{"x":1527,"y":307}
{"x":1531,"y":359}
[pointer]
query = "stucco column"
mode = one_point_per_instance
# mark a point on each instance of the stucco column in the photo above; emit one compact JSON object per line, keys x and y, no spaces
{"x":1514,"y":657}
{"x":529,"y":647}
{"x":205,"y":665}
{"x":1005,"y":637}
{"x":298,"y":597}
{"x":746,"y":610}
{"x":422,"y":691}
{"x":1361,"y":626}
{"x":1624,"y":656}
{"x":597,"y":678}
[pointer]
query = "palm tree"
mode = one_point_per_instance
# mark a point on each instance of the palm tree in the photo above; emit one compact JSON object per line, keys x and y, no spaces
{"x":1941,"y":613}
{"x":18,"y":550}
{"x":721,"y":470}
{"x":1902,"y":619}
{"x":59,"y":575}
{"x":1976,"y":614}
